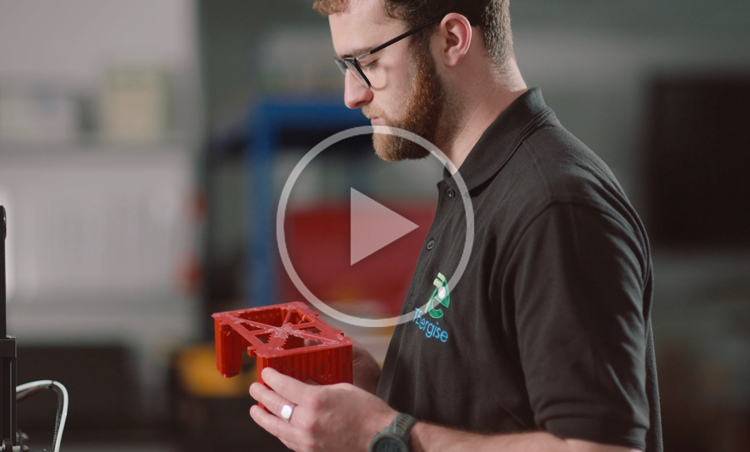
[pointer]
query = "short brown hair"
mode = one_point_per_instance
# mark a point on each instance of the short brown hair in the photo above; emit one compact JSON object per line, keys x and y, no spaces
{"x":492,"y":17}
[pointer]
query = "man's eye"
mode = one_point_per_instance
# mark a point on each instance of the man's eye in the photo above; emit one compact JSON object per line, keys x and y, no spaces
{"x":369,"y":66}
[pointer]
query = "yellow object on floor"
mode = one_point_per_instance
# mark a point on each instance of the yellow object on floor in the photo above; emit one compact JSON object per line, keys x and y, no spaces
{"x":198,"y":375}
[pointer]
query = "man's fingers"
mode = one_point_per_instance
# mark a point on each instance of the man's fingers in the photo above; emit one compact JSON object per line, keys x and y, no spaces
{"x":287,"y":387}
{"x":273,"y":425}
{"x":289,"y":444}
{"x":271,"y":400}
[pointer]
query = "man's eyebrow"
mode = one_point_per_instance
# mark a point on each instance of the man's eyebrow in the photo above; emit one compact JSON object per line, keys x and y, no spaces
{"x":356,"y":52}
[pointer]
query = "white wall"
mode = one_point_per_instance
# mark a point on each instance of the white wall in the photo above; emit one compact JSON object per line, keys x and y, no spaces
{"x":72,"y":40}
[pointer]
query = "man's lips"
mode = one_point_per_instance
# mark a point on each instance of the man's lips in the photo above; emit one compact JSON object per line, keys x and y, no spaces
{"x":374,"y":119}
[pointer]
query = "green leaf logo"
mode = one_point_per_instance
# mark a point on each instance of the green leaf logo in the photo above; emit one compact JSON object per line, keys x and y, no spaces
{"x":440,"y":296}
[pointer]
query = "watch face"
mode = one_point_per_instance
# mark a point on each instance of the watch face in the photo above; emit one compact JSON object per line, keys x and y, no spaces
{"x":390,"y":445}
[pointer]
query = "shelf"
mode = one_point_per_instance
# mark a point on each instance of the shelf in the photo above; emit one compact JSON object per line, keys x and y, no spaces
{"x":92,"y":146}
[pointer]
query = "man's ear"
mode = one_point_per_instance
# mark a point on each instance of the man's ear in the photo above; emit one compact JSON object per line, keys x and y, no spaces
{"x":455,"y":38}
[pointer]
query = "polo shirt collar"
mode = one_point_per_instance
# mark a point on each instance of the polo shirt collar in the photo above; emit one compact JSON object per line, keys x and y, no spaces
{"x":501,"y":139}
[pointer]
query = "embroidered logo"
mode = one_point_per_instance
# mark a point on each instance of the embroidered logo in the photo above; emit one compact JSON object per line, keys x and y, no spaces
{"x":440,"y":296}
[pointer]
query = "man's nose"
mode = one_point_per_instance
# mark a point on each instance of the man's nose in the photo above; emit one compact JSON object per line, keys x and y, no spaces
{"x":355,"y":95}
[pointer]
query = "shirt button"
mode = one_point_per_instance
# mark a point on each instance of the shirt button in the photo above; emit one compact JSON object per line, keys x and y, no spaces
{"x":430,"y":244}
{"x":451,"y":193}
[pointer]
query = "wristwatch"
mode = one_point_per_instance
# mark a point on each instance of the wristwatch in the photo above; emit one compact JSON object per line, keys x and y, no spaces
{"x":395,"y":437}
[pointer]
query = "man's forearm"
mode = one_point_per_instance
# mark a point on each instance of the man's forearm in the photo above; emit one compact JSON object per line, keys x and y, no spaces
{"x":431,"y":438}
{"x":366,"y":370}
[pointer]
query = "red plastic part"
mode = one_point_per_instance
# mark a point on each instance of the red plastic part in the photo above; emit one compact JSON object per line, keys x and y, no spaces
{"x":276,"y":335}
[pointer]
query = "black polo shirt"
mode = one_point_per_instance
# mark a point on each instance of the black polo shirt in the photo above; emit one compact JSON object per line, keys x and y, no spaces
{"x":549,"y":327}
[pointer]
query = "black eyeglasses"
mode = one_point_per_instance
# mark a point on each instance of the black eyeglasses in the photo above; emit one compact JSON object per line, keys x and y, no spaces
{"x":353,"y":63}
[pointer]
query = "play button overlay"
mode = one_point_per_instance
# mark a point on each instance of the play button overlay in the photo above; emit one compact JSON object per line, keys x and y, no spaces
{"x":373,"y":226}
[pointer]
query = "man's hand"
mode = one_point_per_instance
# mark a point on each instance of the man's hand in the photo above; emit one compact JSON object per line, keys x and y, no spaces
{"x":366,"y":369}
{"x":344,"y":418}
{"x":330,"y":418}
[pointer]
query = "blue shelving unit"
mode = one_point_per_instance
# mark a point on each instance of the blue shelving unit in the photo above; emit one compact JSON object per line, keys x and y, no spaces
{"x":266,"y":122}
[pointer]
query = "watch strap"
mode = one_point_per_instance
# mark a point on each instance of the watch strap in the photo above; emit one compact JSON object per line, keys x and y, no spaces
{"x":397,"y":431}
{"x":401,"y":426}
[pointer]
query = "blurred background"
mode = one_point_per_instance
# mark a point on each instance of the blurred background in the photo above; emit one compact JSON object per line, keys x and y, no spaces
{"x":144,"y":145}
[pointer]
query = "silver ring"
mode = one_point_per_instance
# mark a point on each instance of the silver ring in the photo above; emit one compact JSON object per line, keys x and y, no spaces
{"x":286,"y":412}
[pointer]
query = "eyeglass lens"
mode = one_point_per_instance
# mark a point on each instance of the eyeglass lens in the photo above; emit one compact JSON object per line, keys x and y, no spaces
{"x":352,"y":66}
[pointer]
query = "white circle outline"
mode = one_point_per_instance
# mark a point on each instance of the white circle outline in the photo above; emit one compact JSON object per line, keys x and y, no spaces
{"x":284,"y":200}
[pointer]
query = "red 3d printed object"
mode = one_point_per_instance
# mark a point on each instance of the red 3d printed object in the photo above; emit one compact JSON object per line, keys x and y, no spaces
{"x":276,"y":335}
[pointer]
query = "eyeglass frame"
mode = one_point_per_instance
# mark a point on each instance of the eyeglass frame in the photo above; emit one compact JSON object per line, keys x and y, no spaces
{"x":353,"y":63}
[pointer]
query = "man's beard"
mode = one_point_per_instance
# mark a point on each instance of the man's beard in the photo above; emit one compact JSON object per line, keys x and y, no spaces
{"x":422,"y":114}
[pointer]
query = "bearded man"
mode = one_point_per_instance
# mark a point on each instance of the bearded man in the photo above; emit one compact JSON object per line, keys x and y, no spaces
{"x":545,"y":344}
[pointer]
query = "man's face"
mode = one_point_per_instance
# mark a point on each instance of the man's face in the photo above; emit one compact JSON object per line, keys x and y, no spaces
{"x":406,"y":89}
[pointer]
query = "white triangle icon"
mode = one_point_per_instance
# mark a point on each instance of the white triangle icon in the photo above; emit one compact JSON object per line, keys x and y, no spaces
{"x":373,"y":226}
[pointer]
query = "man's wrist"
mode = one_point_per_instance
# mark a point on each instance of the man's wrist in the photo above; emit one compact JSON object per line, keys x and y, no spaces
{"x":395,"y":436}
{"x":417,"y":437}
{"x":376,"y":425}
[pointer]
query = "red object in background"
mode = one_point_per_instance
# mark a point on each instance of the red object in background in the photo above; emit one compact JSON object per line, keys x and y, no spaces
{"x":276,"y":335}
{"x":318,"y":242}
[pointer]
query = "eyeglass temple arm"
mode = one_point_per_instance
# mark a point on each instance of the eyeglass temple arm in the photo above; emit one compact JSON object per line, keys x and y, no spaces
{"x":398,"y":38}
